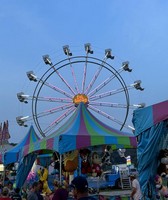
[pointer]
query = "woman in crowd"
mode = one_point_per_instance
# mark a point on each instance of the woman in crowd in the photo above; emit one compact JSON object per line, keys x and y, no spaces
{"x":61,"y":191}
{"x":5,"y":194}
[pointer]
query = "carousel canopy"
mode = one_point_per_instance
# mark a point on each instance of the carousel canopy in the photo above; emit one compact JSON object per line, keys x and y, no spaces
{"x":12,"y":155}
{"x":82,"y":130}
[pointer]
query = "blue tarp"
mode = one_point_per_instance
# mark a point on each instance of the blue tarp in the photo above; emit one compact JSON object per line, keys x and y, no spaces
{"x":151,"y":130}
{"x":24,"y":168}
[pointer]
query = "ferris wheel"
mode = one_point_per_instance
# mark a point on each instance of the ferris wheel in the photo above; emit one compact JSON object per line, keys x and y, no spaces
{"x":79,"y":79}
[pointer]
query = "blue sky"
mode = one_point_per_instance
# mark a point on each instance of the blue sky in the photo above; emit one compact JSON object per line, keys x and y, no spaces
{"x":136,"y":31}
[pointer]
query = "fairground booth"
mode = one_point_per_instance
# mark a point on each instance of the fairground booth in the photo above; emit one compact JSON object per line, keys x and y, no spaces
{"x":151,"y":130}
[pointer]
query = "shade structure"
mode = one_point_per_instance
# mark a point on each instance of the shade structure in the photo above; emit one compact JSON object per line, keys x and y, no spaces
{"x":145,"y":118}
{"x":3,"y":149}
{"x":83,"y":129}
{"x":152,"y":132}
{"x":12,"y":155}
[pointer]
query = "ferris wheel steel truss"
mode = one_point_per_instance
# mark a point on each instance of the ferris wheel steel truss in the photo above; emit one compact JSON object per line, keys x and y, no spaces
{"x":86,"y":93}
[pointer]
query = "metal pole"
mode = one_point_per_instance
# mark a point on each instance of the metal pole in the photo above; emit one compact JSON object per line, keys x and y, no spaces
{"x":4,"y":169}
{"x":4,"y":176}
{"x":60,"y":170}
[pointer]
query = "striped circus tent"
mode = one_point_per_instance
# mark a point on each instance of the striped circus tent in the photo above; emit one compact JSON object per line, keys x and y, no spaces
{"x":12,"y":155}
{"x":83,"y":129}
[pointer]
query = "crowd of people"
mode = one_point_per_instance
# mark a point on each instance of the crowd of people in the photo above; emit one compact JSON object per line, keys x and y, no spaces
{"x":9,"y":193}
{"x":77,"y":190}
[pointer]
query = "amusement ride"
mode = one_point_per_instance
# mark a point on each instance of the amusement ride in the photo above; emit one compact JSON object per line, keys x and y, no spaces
{"x":79,"y":79}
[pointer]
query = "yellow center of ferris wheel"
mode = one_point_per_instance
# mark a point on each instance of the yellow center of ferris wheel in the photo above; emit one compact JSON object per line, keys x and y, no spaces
{"x":80,"y":98}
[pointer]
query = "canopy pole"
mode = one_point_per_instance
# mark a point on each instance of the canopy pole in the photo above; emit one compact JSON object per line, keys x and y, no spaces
{"x":60,"y":170}
{"x":4,"y":174}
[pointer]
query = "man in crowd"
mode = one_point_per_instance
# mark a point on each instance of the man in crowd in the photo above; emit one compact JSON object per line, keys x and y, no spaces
{"x":32,"y":195}
{"x":136,"y":190}
{"x":80,"y":188}
{"x":16,"y":195}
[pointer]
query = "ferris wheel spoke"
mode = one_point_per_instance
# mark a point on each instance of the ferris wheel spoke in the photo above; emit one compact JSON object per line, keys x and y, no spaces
{"x":73,"y":75}
{"x":68,"y":53}
{"x":25,"y":98}
{"x":116,"y":105}
{"x":111,"y":92}
{"x":106,"y":94}
{"x":59,"y":119}
{"x":63,"y":80}
{"x":54,"y":110}
{"x":108,"y":104}
{"x":84,"y":74}
{"x":124,"y":67}
{"x":103,"y":84}
{"x":35,"y":78}
{"x":95,"y":76}
{"x":57,"y":89}
{"x":104,"y":114}
{"x":88,"y":51}
{"x":53,"y":99}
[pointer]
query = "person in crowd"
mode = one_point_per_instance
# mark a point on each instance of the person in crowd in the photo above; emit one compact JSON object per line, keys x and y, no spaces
{"x":32,"y":194}
{"x":80,"y":188}
{"x":16,"y":195}
{"x":5,"y":194}
{"x":136,"y":190}
{"x":39,"y":190}
{"x":55,"y":187}
{"x":1,"y":187}
{"x":24,"y":193}
{"x":10,"y":188}
{"x":61,"y":191}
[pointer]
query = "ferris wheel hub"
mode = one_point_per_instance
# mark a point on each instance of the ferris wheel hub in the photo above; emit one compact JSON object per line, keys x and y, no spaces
{"x":80,"y":98}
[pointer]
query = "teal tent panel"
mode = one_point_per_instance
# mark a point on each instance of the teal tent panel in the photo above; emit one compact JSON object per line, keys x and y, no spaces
{"x":151,"y":130}
{"x":142,"y":119}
